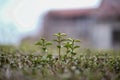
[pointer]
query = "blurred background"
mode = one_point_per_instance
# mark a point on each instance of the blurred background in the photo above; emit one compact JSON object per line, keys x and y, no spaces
{"x":95,"y":22}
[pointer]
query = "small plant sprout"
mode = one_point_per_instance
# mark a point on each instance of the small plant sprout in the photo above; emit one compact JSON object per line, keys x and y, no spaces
{"x":67,"y":45}
{"x":59,"y":39}
{"x":43,"y":44}
{"x":70,"y":46}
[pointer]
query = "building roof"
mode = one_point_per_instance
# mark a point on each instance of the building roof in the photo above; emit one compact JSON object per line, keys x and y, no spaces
{"x":108,"y":8}
{"x":71,"y":13}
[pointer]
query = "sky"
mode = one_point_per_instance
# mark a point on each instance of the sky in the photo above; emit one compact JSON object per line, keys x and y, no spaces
{"x":22,"y":17}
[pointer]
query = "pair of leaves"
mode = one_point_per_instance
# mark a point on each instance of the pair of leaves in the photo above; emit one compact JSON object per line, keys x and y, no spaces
{"x":60,"y":34}
{"x":70,"y":45}
{"x":61,"y":40}
{"x":43,"y":42}
{"x":73,"y":40}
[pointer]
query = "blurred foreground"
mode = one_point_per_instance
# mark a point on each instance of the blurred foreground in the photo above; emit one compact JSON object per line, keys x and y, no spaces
{"x":32,"y":64}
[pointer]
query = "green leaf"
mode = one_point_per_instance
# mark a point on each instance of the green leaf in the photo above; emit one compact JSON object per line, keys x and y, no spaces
{"x":43,"y":39}
{"x":60,"y":34}
{"x":48,"y":43}
{"x":59,"y":46}
{"x":76,"y":47}
{"x":38,"y":43}
{"x":55,"y":34}
{"x":77,"y":40}
{"x":49,"y":56}
{"x":69,"y":39}
{"x":44,"y":49}
{"x":63,"y":40}
{"x":63,"y":34}
{"x":67,"y":44}
{"x":73,"y":53}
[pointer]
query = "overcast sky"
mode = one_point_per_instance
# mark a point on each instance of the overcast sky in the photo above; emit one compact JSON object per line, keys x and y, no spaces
{"x":23,"y":15}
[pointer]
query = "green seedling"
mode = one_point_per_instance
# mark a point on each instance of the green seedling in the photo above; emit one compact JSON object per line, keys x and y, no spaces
{"x":70,"y":46}
{"x":44,"y":44}
{"x":67,"y":45}
{"x":59,"y":39}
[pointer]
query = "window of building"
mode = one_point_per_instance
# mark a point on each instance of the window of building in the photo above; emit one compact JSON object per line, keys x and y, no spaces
{"x":116,"y":37}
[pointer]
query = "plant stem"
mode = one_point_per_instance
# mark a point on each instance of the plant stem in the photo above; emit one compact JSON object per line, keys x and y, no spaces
{"x":59,"y":49}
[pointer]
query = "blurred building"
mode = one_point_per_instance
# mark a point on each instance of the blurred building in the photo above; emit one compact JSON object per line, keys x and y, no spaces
{"x":98,"y":27}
